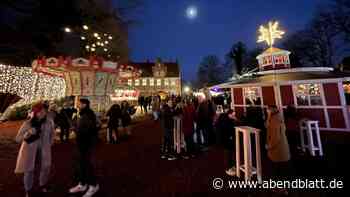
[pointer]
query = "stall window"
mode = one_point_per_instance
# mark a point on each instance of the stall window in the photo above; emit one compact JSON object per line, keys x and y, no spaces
{"x":137,"y":82}
{"x":151,"y":82}
{"x":346,"y":87}
{"x":252,"y":95}
{"x":173,"y":82}
{"x":159,"y":82}
{"x":144,"y":82}
{"x":308,"y":94}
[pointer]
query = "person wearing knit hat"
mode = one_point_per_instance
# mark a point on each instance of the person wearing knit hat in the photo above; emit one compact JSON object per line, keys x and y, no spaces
{"x":36,"y":136}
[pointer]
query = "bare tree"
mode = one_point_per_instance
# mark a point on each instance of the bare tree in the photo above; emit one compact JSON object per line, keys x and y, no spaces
{"x":236,"y":56}
{"x":340,"y":12}
{"x":210,"y":71}
{"x":316,"y":45}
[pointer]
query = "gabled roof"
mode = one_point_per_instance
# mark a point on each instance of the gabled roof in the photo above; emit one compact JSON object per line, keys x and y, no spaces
{"x":173,"y":68}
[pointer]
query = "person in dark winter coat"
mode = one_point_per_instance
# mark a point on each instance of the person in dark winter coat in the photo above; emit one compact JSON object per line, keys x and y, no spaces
{"x":141,"y":102}
{"x":226,"y":125}
{"x":86,"y":136}
{"x":126,"y":118}
{"x":188,"y":116}
{"x":205,"y":115}
{"x":167,"y":124}
{"x":114,"y":114}
{"x":64,"y":121}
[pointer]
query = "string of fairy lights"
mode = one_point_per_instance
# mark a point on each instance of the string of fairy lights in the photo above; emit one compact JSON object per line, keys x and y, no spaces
{"x":30,"y":86}
{"x":93,"y":41}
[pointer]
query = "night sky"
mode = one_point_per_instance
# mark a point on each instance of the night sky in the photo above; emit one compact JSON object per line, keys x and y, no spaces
{"x":165,"y":30}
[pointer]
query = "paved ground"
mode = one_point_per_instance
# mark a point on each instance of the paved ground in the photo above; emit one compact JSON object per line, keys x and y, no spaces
{"x":133,"y":168}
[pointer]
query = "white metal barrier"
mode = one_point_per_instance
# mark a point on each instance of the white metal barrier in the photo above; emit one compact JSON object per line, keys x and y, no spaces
{"x":310,"y":128}
{"x":179,"y":138}
{"x":247,"y":166}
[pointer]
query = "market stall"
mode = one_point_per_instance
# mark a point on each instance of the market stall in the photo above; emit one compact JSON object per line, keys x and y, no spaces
{"x":317,"y":93}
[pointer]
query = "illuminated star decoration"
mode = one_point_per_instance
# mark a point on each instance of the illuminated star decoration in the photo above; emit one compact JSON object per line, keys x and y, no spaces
{"x":270,"y":34}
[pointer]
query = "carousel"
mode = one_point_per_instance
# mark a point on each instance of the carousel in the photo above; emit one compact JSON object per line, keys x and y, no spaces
{"x":102,"y":82}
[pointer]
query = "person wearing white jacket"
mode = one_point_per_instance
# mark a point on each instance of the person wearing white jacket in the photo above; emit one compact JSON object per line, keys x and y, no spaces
{"x":37,"y":137}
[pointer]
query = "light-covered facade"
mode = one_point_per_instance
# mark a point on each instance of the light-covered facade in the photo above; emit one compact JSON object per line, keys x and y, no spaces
{"x":157,"y":78}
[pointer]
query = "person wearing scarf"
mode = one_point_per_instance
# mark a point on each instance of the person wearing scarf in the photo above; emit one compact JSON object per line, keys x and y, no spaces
{"x":36,"y":136}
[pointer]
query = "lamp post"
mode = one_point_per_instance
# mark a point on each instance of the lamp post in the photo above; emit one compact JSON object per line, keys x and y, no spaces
{"x":187,"y":89}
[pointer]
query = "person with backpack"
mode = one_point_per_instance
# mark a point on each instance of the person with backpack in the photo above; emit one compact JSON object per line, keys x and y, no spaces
{"x":37,"y":136}
{"x":86,"y":137}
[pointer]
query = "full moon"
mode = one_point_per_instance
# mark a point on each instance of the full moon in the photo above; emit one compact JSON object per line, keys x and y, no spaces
{"x":191,"y":12}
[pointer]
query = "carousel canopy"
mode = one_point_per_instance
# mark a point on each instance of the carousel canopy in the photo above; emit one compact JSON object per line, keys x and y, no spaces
{"x":87,"y":77}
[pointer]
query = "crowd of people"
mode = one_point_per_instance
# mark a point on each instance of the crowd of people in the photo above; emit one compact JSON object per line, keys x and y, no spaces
{"x":197,"y":125}
{"x":201,"y":126}
{"x":119,"y":119}
{"x":145,"y":103}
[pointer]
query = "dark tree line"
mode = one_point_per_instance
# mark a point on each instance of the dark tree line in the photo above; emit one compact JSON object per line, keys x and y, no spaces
{"x":325,"y":40}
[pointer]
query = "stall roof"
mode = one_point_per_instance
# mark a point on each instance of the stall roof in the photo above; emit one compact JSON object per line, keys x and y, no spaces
{"x":283,"y":77}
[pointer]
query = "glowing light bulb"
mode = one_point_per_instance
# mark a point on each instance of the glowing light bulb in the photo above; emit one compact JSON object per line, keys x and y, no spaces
{"x":85,"y":27}
{"x":67,"y":29}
